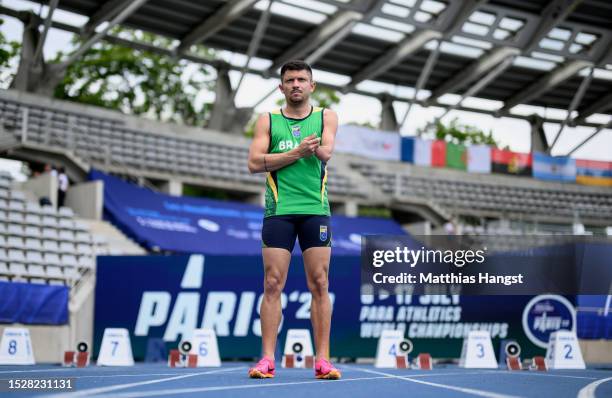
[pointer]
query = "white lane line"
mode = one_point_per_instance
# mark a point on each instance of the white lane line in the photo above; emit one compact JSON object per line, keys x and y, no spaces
{"x":131,"y":375}
{"x":500,"y":372}
{"x":138,"y":394}
{"x":549,"y":375}
{"x":449,"y":374}
{"x":101,"y":390}
{"x":80,"y":376}
{"x":37,"y":370}
{"x":473,"y":391}
{"x":588,"y":391}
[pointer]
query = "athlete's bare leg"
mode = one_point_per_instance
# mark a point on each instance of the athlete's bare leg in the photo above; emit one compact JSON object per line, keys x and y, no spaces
{"x":316,"y":265}
{"x":276,"y":265}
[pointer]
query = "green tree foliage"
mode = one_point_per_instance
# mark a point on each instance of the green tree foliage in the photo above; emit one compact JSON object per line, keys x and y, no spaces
{"x":457,"y":133}
{"x":8,"y":51}
{"x":325,"y":98}
{"x":139,"y":82}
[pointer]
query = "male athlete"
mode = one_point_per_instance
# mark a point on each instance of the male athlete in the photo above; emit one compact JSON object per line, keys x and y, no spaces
{"x":293,"y":145}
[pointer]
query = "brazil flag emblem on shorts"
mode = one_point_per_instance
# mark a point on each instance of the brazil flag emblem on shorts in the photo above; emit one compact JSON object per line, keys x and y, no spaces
{"x":323,"y":233}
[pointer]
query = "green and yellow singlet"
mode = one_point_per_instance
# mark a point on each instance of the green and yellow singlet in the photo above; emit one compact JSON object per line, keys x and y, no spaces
{"x":301,"y":187}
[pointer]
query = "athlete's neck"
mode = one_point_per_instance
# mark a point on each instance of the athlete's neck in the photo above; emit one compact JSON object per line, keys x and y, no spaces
{"x":297,"y":111}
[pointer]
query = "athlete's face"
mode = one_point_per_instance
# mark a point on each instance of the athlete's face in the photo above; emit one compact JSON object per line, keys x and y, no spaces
{"x":297,"y":86}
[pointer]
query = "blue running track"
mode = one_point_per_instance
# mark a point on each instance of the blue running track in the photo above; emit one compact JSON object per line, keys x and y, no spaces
{"x":157,"y":380}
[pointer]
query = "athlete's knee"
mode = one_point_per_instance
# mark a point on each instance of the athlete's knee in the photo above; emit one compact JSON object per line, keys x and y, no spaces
{"x":273,"y":285}
{"x":318,"y":283}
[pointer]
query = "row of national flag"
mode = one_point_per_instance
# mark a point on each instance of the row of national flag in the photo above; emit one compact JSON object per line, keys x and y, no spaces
{"x":485,"y":159}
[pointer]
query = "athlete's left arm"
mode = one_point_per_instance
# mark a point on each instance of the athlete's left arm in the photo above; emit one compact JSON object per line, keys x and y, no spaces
{"x":330,"y":125}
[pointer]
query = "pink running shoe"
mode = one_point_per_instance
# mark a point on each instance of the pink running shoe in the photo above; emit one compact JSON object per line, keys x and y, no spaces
{"x":325,"y":370}
{"x":263,"y":370}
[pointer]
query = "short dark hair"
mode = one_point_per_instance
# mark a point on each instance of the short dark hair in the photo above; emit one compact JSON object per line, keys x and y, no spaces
{"x":295,"y":65}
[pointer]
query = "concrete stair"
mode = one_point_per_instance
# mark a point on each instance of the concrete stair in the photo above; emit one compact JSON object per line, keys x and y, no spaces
{"x":118,"y":242}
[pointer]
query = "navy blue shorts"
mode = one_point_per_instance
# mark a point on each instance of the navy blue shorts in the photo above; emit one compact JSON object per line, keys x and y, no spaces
{"x":281,"y":231}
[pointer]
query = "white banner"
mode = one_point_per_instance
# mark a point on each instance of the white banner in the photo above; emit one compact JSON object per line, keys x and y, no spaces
{"x":479,"y":159}
{"x":373,"y":144}
{"x":422,"y":152}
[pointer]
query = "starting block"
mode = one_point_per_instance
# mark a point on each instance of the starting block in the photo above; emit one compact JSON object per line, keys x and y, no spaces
{"x":401,"y":362}
{"x":511,"y":355}
{"x":404,"y":348}
{"x":68,"y":359}
{"x":291,"y":360}
{"x":182,"y":358}
{"x":538,"y":363}
{"x":78,"y":358}
{"x":423,"y":361}
{"x":514,"y":363}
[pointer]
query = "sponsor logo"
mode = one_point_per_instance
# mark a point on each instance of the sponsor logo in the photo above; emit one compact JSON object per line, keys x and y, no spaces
{"x":546,"y":314}
{"x":208,"y":225}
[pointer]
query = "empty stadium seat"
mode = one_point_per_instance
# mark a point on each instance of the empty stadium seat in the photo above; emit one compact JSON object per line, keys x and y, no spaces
{"x":69,"y":260}
{"x":14,"y":242}
{"x":16,"y":256}
{"x":50,"y":234}
{"x":66,"y":236}
{"x":33,"y":244}
{"x":65,"y":212}
{"x":33,"y":257}
{"x":86,"y":262}
{"x":50,"y":246}
{"x":52,"y":259}
{"x":71,"y":273}
{"x":18,"y":269}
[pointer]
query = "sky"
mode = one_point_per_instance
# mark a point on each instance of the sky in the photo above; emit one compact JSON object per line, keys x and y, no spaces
{"x":512,"y":132}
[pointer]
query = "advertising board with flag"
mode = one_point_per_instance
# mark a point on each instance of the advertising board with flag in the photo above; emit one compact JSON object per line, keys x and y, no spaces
{"x":594,"y":172}
{"x":430,"y":153}
{"x":407,"y":154}
{"x":438,"y":153}
{"x":456,"y":156}
{"x":552,"y":168}
{"x":422,"y":152}
{"x":508,"y":162}
{"x":369,"y":143}
{"x":479,"y":159}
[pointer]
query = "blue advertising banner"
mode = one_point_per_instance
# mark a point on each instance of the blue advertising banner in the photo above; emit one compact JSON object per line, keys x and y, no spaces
{"x":33,"y":304}
{"x":196,"y":225}
{"x":166,"y":297}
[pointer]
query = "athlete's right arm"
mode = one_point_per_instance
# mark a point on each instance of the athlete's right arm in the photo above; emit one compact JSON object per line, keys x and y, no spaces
{"x":261,"y":161}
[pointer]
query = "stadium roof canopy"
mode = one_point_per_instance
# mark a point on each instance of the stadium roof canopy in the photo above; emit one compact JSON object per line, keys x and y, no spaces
{"x":551,"y":53}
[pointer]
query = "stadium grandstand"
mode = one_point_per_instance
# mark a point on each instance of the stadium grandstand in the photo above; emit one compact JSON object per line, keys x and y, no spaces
{"x":130,"y":222}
